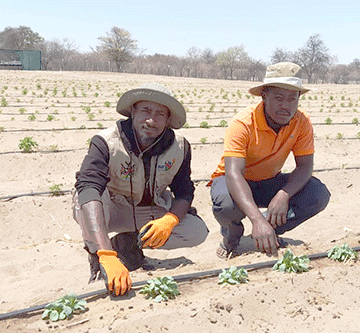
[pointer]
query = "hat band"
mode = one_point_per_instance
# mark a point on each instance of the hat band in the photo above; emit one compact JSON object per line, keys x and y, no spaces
{"x":293,"y":81}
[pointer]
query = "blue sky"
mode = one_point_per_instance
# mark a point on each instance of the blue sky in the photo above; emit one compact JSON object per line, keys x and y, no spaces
{"x":173,"y":27}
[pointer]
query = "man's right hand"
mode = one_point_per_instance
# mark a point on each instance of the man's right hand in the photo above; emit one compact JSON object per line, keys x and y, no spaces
{"x":116,"y":275}
{"x":264,"y":237}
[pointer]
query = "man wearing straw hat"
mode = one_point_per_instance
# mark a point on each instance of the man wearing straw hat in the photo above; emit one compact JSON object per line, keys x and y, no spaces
{"x":257,"y":143}
{"x":135,"y":181}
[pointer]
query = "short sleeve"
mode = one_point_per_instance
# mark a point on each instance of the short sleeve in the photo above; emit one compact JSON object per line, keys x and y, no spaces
{"x":304,"y":145}
{"x":236,"y":139}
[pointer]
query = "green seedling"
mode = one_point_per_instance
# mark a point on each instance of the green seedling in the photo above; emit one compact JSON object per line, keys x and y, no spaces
{"x":203,"y":140}
{"x":100,"y":125}
{"x":91,"y":116}
{"x":328,"y":121}
{"x":24,"y":91}
{"x":291,"y":263}
{"x":64,"y":308}
{"x":223,"y":123}
{"x":4,"y":101}
{"x":27,"y":144}
{"x":355,"y":121}
{"x":22,"y":110}
{"x":204,"y":124}
{"x":107,"y":104}
{"x":54,"y":148}
{"x":50,"y":117}
{"x":160,"y":289}
{"x":340,"y":136}
{"x":186,"y":125}
{"x":233,"y":275}
{"x":32,"y":117}
{"x":55,"y":189}
{"x":342,"y":253}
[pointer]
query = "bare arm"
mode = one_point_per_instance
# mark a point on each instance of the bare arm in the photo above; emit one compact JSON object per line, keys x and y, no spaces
{"x":263,"y":234}
{"x":278,"y":206}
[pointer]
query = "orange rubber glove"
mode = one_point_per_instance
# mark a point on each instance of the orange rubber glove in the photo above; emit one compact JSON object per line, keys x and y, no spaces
{"x":160,"y":230}
{"x":117,"y":276}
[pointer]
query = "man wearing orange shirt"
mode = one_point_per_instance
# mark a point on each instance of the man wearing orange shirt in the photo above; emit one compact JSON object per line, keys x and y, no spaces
{"x":257,"y":144}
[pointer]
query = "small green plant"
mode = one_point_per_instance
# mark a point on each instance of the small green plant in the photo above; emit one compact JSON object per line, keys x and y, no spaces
{"x":88,"y":141}
{"x":233,"y":275}
{"x":91,"y":116}
{"x":4,"y":101}
{"x":223,"y":123}
{"x":107,"y":104}
{"x":339,"y":136}
{"x":2,"y":128}
{"x":64,"y":308}
{"x":87,"y":109}
{"x":54,"y":148}
{"x":24,"y":91}
{"x":342,"y":253}
{"x":22,"y":110}
{"x":55,"y":189}
{"x":328,"y":121}
{"x":100,"y":125}
{"x":291,"y":263}
{"x":32,"y":117}
{"x":50,"y":117}
{"x":204,"y":124}
{"x":203,"y":140}
{"x":27,"y":144}
{"x":355,"y":121}
{"x":73,"y":118}
{"x":161,"y":289}
{"x":186,"y":125}
{"x":358,"y":135}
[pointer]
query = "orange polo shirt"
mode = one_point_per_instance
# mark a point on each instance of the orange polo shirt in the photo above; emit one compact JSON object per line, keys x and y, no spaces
{"x":265,"y":151}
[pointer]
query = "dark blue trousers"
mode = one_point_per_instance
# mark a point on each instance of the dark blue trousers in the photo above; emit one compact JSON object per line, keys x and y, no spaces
{"x":309,"y":201}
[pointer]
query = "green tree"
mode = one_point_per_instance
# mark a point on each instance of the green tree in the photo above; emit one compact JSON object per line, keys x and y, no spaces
{"x":231,"y":59}
{"x":21,"y":38}
{"x":119,"y":46}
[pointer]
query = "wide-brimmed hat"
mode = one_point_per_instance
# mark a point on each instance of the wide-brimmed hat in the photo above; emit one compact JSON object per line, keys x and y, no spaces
{"x":156,"y":93}
{"x":281,"y":75}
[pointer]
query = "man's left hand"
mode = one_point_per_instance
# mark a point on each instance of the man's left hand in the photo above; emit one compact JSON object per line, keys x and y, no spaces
{"x":160,"y":230}
{"x":278,"y":209}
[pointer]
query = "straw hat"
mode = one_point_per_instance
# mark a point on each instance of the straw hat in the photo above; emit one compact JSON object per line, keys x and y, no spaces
{"x":156,"y":93}
{"x":281,"y":75}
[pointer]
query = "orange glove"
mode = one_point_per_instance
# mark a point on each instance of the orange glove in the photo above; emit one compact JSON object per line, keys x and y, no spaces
{"x":115,"y":273}
{"x":160,"y":230}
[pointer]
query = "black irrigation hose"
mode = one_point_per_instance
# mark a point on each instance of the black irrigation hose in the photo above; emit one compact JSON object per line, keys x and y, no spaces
{"x":14,"y":196}
{"x":177,"y":278}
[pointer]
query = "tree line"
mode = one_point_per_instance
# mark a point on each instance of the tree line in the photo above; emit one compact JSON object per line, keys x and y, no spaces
{"x":119,"y":52}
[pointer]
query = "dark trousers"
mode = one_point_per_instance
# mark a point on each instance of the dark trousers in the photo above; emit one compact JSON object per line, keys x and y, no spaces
{"x":309,"y":201}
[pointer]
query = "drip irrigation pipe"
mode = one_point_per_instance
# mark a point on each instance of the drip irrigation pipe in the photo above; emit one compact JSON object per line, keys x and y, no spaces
{"x":177,"y":278}
{"x":14,"y":196}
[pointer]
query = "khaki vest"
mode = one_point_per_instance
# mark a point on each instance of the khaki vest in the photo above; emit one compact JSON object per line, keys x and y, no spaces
{"x":124,"y":165}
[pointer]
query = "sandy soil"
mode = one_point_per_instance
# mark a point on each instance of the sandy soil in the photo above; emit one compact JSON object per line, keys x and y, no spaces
{"x":42,"y":256}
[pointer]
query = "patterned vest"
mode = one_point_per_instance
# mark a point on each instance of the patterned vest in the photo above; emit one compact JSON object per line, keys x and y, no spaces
{"x":127,"y":174}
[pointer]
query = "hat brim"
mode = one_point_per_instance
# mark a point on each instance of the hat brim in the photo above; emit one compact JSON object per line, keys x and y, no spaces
{"x":177,"y":111}
{"x":257,"y":91}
